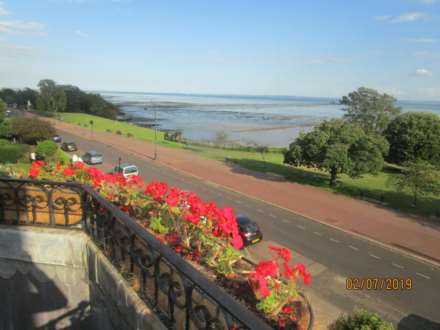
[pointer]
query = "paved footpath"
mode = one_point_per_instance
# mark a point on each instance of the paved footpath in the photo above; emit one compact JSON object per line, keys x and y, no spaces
{"x":392,"y":228}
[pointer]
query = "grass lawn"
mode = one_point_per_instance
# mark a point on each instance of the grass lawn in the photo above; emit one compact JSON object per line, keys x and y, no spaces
{"x":102,"y":125}
{"x":375,"y":188}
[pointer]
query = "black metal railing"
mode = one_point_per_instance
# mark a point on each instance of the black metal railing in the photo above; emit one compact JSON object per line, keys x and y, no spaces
{"x":182,"y":297}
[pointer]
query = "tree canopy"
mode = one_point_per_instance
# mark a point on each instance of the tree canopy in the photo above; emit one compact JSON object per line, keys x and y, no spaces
{"x":338,"y":147}
{"x":369,"y":109}
{"x":52,"y":98}
{"x":19,"y":97}
{"x":31,"y":131}
{"x":419,"y":177}
{"x":414,"y":135}
{"x":2,"y":110}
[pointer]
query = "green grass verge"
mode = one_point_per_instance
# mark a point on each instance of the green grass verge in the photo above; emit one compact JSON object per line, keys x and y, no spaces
{"x":375,"y":188}
{"x":107,"y":125}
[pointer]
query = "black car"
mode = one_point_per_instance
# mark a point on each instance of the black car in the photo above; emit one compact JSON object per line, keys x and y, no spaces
{"x":56,"y":138}
{"x":249,"y":230}
{"x":69,"y":146}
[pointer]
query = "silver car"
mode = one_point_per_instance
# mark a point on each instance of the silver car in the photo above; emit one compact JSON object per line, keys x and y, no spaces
{"x":126,"y":170}
{"x":93,"y":158}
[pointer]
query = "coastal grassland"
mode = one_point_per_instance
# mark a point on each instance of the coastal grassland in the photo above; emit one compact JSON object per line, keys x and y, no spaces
{"x":102,"y":125}
{"x":377,"y":189}
{"x":374,"y":188}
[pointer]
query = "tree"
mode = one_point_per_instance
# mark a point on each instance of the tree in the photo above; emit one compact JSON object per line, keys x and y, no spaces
{"x":338,"y":147}
{"x":52,"y":98}
{"x":26,"y":95}
{"x":31,"y":130}
{"x":2,"y":110}
{"x":412,"y":136}
{"x":370,"y":109}
{"x":8,"y":95}
{"x":420,"y":178}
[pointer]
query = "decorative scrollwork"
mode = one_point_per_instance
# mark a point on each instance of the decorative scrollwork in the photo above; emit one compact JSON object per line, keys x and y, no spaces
{"x":181,"y":296}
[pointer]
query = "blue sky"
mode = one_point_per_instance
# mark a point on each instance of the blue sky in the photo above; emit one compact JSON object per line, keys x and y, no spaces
{"x":307,"y":48}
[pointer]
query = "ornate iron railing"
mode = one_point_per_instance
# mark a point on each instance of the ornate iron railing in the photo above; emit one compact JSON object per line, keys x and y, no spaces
{"x":181,"y":296}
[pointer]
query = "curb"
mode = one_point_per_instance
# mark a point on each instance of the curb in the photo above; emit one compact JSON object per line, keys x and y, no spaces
{"x":418,"y":257}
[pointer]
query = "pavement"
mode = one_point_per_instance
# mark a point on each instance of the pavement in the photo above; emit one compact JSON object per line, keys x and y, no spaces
{"x":335,"y":236}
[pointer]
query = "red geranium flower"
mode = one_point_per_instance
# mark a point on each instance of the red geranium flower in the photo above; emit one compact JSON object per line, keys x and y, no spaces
{"x":34,"y":172}
{"x":79,"y":165}
{"x":287,"y":309}
{"x":68,"y":171}
{"x":282,"y":252}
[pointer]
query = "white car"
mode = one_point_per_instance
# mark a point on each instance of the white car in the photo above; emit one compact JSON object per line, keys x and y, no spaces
{"x":126,"y":170}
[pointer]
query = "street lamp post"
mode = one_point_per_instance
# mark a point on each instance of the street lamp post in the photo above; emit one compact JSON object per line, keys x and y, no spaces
{"x":155,"y":135}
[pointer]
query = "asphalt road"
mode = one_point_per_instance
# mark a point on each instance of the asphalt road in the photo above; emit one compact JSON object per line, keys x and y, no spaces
{"x":342,"y":255}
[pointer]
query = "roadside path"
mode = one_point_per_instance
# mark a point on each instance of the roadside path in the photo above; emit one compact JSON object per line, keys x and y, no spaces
{"x":387,"y":226}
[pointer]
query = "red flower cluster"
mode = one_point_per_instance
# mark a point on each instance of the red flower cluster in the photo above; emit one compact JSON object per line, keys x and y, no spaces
{"x":34,"y":171}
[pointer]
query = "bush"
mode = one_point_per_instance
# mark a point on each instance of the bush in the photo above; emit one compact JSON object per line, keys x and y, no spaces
{"x":47,"y":149}
{"x":129,"y":134}
{"x":118,"y":132}
{"x":361,"y":320}
{"x":31,"y":131}
{"x":11,"y":153}
{"x":108,"y":130}
{"x":5,"y":129}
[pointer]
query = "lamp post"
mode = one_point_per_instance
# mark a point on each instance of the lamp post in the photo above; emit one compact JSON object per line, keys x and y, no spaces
{"x":155,"y":135}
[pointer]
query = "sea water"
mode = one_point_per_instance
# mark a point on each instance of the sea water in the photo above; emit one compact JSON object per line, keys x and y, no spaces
{"x":265,"y":120}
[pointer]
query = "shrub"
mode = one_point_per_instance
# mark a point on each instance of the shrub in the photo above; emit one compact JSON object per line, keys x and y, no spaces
{"x":5,"y":129}
{"x":118,"y":132}
{"x":129,"y":134}
{"x":31,"y":131}
{"x":11,"y":153}
{"x":108,"y":130}
{"x":361,"y":319}
{"x":46,"y":148}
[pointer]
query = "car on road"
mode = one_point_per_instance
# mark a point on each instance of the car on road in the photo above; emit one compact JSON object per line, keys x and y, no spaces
{"x":126,"y":170}
{"x":249,"y":230}
{"x":56,"y":138}
{"x":93,"y":158}
{"x":69,"y":146}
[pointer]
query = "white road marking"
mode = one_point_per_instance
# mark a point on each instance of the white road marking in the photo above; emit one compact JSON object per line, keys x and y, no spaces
{"x":374,"y":256}
{"x":317,"y":233}
{"x":334,"y":240}
{"x":397,"y":265}
{"x":424,"y":276}
{"x":301,"y":227}
{"x":353,"y":247}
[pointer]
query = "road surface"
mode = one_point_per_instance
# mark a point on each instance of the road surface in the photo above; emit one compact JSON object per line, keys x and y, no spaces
{"x":333,"y":256}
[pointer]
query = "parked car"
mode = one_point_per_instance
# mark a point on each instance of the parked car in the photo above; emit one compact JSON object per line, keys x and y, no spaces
{"x":92,"y":158}
{"x":249,"y":230}
{"x":69,"y":146}
{"x":56,"y":138}
{"x":126,"y":170}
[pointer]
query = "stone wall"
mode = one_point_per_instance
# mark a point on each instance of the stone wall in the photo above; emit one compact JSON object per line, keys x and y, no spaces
{"x":58,"y":279}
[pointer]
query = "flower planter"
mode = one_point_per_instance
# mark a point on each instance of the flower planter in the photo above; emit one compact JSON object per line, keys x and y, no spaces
{"x":204,"y":235}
